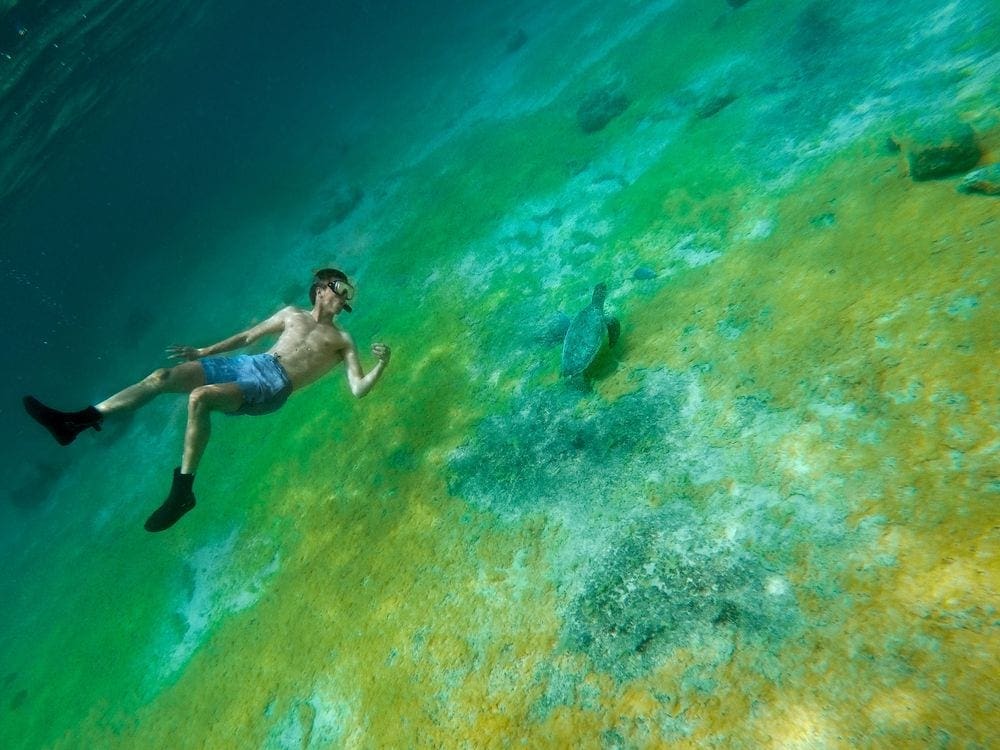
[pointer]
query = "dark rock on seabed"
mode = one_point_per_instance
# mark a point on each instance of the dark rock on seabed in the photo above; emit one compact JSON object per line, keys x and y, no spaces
{"x":939,"y":147}
{"x":823,"y":220}
{"x":714,"y":105}
{"x":815,"y":39}
{"x":985,"y":180}
{"x":599,"y":108}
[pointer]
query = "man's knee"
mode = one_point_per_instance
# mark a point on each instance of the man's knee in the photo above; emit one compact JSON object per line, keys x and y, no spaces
{"x":206,"y":398}
{"x":199,"y":399}
{"x":158,"y":378}
{"x":176,"y":379}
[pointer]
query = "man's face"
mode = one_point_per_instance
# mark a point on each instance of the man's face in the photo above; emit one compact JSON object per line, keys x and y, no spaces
{"x":341,"y":289}
{"x":338,"y":292}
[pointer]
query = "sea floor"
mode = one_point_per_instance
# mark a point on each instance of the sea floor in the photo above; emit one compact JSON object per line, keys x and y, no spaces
{"x":766,"y":518}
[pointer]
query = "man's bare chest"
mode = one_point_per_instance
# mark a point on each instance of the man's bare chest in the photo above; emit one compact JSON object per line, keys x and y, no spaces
{"x":309,"y":339}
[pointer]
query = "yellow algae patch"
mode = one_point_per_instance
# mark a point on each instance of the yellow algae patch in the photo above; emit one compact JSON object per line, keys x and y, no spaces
{"x":397,"y":625}
{"x":897,"y":709}
{"x":837,"y":301}
{"x":802,"y":725}
{"x":953,"y":575}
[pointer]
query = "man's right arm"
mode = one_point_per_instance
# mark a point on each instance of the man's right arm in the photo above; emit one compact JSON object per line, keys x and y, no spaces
{"x":359,"y":382}
{"x":274,"y":324}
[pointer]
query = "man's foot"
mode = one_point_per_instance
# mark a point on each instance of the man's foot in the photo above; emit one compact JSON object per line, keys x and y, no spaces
{"x":178,"y":502}
{"x":64,"y":426}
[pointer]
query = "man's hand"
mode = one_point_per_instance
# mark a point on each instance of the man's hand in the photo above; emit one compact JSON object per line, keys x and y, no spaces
{"x":187,"y":353}
{"x":382,"y":353}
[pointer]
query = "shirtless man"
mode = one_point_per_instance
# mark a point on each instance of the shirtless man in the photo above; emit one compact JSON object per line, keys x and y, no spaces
{"x":309,"y":345}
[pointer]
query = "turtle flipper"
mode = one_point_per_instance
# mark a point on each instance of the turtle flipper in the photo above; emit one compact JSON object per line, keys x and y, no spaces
{"x":614,"y":330}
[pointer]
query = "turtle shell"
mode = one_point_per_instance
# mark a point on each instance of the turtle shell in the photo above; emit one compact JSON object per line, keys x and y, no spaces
{"x":583,"y":339}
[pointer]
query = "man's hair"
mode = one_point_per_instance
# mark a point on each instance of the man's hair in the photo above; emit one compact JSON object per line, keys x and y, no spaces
{"x":324,"y":276}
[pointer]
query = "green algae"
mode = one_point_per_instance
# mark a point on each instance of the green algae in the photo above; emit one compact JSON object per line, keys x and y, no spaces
{"x":474,"y":554}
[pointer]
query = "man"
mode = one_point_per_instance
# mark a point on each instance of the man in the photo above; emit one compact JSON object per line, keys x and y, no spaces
{"x":309,"y":345}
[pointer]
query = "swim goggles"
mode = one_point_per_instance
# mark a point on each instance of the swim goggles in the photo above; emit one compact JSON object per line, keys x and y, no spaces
{"x":341,"y":289}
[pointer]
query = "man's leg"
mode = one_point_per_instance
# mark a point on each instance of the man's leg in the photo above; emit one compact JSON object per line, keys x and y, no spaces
{"x":225,"y":397}
{"x":180,"y":379}
{"x":65,"y":426}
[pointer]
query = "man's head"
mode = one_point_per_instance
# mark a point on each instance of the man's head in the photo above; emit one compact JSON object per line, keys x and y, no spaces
{"x":334,"y":280}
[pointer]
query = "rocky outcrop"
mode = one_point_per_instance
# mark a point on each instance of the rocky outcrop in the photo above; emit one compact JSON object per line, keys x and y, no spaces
{"x":940,"y":147}
{"x":713,"y":105}
{"x":599,"y":108}
{"x":985,"y":180}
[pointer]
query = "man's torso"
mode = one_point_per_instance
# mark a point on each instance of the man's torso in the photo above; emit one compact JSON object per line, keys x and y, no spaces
{"x":308,"y":350}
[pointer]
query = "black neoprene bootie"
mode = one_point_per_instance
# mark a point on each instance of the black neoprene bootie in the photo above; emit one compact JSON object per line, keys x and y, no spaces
{"x":178,"y":502}
{"x":64,"y":426}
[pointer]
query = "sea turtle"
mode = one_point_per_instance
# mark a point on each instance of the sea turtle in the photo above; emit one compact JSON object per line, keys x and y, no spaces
{"x":586,"y":334}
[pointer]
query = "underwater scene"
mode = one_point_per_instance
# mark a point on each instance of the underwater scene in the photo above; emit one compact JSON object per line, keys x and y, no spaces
{"x":677,"y":327}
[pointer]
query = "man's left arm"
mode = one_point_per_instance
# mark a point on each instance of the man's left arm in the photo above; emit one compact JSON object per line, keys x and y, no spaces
{"x":360,"y":382}
{"x":274,"y":324}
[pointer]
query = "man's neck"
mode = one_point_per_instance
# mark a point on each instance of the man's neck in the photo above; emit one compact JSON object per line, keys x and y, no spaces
{"x":322,"y":317}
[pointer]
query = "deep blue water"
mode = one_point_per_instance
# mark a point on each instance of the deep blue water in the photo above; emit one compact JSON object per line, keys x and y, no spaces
{"x":225,"y":114}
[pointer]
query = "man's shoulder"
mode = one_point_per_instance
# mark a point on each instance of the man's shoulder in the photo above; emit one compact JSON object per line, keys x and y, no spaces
{"x":342,"y":334}
{"x":290,"y":311}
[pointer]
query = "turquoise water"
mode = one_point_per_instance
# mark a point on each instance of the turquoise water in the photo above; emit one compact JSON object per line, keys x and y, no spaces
{"x":765,"y":518}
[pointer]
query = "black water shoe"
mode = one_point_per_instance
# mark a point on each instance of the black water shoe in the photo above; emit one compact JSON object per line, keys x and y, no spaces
{"x":64,"y":426}
{"x":178,"y":502}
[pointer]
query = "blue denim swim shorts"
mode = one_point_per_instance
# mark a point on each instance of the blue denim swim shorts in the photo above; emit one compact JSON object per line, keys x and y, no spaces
{"x":261,"y":378}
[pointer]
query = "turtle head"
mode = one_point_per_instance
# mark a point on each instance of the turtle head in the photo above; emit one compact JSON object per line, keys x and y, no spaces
{"x":600,"y":292}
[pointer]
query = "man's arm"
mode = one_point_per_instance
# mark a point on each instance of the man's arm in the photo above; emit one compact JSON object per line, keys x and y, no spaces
{"x":359,"y":382}
{"x":274,"y":324}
